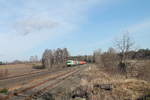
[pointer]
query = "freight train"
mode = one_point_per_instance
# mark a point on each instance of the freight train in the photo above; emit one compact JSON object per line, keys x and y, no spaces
{"x":74,"y":63}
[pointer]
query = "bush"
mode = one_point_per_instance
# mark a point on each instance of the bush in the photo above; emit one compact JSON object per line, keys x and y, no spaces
{"x":110,"y":60}
{"x":4,"y":91}
{"x":34,"y":66}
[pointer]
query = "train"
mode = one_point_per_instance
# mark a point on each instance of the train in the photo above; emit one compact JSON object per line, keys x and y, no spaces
{"x":74,"y":63}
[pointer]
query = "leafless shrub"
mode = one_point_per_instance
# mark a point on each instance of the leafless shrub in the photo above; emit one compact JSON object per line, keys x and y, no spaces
{"x":110,"y":58}
{"x":34,"y":66}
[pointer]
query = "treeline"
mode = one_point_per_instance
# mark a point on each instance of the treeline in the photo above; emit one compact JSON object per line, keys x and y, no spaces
{"x":111,"y":53}
{"x":140,"y":54}
{"x":52,"y":58}
{"x":2,"y":63}
{"x":110,"y":58}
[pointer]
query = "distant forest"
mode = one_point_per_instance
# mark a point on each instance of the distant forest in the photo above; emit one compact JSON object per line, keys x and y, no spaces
{"x":140,"y":54}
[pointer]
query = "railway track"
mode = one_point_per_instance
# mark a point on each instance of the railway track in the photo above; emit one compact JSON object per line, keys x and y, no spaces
{"x":22,"y":75}
{"x":39,"y":88}
{"x":45,"y":89}
{"x":9,"y":82}
{"x":20,"y":79}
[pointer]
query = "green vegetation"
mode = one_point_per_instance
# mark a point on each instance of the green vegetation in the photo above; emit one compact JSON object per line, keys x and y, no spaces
{"x":4,"y":91}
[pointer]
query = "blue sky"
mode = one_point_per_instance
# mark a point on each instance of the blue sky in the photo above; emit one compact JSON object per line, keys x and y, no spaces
{"x":28,"y":27}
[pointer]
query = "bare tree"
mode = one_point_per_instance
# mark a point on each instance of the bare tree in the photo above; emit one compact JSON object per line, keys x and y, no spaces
{"x":65,"y":54}
{"x":124,"y":45}
{"x":34,"y":58}
{"x":97,"y":57}
{"x":111,"y":50}
{"x":47,"y":58}
{"x":54,"y":57}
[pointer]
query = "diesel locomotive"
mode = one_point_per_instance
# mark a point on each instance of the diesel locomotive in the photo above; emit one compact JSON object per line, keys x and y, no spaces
{"x":74,"y":63}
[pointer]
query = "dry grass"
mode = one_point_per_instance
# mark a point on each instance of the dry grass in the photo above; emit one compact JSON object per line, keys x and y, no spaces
{"x":123,"y":89}
{"x":98,"y":84}
{"x":144,"y":70}
{"x":16,"y":69}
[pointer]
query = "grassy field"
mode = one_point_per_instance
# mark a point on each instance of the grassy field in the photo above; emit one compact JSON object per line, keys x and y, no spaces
{"x":16,"y":69}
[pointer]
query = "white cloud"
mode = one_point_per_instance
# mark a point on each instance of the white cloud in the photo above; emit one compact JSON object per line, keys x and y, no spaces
{"x":35,"y":21}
